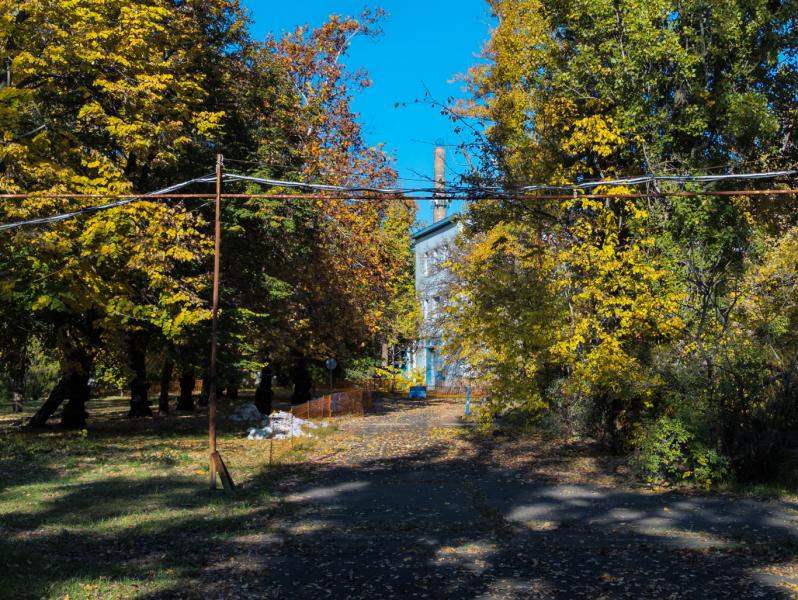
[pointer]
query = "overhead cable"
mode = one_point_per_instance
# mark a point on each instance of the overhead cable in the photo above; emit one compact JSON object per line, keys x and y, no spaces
{"x":681,"y":179}
{"x":321,"y":187}
{"x":474,"y":190}
{"x":452,"y":192}
{"x":102,"y":207}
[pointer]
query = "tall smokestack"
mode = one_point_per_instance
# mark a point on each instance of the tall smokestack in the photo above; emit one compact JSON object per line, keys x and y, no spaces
{"x":439,"y":208}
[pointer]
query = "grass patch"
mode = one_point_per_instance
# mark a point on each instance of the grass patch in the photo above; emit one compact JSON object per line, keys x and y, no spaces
{"x":787,"y":490}
{"x":123,"y":510}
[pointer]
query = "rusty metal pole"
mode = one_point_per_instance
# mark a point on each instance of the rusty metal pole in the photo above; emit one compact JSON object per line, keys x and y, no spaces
{"x":271,"y":445}
{"x":215,"y":324}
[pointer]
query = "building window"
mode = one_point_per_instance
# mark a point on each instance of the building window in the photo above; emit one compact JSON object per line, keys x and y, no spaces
{"x":446,"y":254}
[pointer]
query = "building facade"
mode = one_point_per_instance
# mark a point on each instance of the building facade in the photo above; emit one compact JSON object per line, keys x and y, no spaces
{"x":433,"y":246}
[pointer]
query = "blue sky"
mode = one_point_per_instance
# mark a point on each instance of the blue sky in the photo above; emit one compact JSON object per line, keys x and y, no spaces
{"x":424,"y":44}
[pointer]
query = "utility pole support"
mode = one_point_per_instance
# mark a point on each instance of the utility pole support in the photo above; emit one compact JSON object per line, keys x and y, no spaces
{"x":216,"y":463}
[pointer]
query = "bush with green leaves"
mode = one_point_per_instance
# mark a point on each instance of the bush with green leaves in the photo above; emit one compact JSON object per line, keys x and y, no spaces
{"x":709,"y":467}
{"x":664,"y":451}
{"x":41,"y":374}
{"x":361,"y":369}
{"x":668,"y":452}
{"x":399,"y":380}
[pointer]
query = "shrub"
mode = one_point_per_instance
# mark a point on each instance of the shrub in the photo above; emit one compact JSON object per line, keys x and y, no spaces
{"x":758,"y":411}
{"x":399,"y":380}
{"x":667,"y":452}
{"x":42,"y":373}
{"x":361,"y":369}
{"x":39,"y":376}
{"x":664,"y":451}
{"x":570,"y":414}
{"x":710,"y":467}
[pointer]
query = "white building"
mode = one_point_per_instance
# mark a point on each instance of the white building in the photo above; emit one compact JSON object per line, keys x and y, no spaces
{"x":433,"y":246}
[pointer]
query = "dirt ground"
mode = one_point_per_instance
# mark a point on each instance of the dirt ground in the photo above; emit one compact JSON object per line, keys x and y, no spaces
{"x":408,"y":503}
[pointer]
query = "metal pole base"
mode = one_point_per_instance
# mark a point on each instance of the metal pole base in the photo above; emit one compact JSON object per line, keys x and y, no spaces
{"x":224,"y":474}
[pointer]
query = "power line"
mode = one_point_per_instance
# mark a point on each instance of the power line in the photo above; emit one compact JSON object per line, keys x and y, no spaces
{"x":362,"y":193}
{"x":679,"y":179}
{"x":452,"y":190}
{"x":635,"y":181}
{"x":94,"y":209}
{"x":471,"y":190}
{"x":487,"y":197}
{"x":638,"y":180}
{"x":321,"y":187}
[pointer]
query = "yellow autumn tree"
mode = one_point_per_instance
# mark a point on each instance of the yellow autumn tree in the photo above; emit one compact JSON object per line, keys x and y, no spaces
{"x":672,"y":314}
{"x":104,"y":97}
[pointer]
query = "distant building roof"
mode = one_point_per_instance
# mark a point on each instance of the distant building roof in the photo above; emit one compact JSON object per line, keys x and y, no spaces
{"x":446,"y":223}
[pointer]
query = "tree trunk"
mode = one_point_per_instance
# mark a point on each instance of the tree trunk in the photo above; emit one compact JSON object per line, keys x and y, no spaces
{"x":17,"y":403}
{"x":79,"y":337}
{"x":302,"y":381}
{"x":206,"y":385}
{"x":139,"y":385}
{"x":384,"y":355}
{"x":17,"y":373}
{"x":186,"y":399}
{"x":612,"y":428}
{"x":57,"y":395}
{"x":264,"y":394}
{"x":74,"y":415}
{"x":166,"y":381}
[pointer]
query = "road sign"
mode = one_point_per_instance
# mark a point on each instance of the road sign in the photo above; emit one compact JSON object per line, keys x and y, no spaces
{"x":331,"y":363}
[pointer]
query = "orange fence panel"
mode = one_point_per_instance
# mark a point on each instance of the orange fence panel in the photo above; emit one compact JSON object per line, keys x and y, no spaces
{"x":346,"y":402}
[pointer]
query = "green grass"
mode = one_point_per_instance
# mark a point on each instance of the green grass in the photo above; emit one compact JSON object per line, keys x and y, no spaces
{"x":123,"y":510}
{"x":786,"y":490}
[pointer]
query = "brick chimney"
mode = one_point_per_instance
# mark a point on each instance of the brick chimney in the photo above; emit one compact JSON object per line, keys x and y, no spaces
{"x":440,"y":202}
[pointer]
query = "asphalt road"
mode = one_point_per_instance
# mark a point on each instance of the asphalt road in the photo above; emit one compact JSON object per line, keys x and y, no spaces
{"x":397,"y":512}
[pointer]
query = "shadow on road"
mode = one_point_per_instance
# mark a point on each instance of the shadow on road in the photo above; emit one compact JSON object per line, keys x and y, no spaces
{"x":423,"y":525}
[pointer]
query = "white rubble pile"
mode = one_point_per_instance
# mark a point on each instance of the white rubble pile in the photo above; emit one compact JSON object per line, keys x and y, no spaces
{"x":246,"y":412}
{"x":281,"y":425}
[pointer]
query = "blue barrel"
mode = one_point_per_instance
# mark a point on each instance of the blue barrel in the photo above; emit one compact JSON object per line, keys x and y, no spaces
{"x":418,"y":392}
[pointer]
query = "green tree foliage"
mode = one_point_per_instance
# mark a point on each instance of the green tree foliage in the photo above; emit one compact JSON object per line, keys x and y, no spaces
{"x":86,"y":89}
{"x":612,"y":313}
{"x":118,"y":97}
{"x":688,"y":85}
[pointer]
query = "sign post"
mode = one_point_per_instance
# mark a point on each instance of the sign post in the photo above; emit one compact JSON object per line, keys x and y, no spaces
{"x":331,"y":363}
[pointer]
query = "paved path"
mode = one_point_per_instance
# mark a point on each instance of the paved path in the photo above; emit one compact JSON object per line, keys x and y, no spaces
{"x":402,"y":508}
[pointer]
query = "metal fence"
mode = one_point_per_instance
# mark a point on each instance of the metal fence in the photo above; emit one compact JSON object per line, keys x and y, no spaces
{"x":455,"y":391}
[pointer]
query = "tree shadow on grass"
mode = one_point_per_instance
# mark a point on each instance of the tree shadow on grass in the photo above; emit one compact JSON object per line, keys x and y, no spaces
{"x":148,"y":532}
{"x":425,"y":525}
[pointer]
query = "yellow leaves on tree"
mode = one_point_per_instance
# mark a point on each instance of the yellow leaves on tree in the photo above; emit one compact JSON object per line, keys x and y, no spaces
{"x":620,"y":302}
{"x":121,"y":61}
{"x":585,"y":298}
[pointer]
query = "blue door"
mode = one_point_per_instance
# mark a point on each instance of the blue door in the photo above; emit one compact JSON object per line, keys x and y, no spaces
{"x":430,"y":379}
